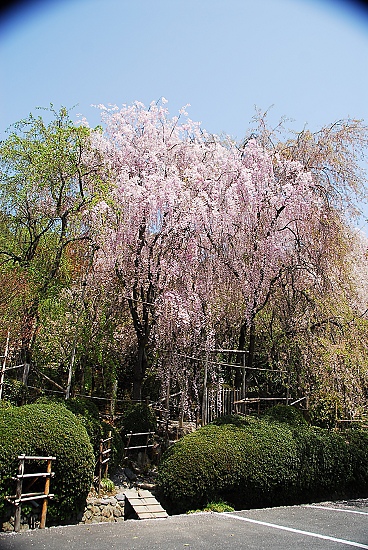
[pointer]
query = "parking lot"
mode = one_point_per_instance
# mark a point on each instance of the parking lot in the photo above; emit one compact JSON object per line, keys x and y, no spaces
{"x":323,"y":526}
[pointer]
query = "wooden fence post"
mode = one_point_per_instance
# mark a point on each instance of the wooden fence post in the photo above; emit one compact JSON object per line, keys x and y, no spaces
{"x":46,"y":493}
{"x":21,"y":497}
{"x":3,"y":368}
{"x":100,"y":468}
{"x":18,"y":494}
{"x":108,"y":454}
{"x":205,"y":396}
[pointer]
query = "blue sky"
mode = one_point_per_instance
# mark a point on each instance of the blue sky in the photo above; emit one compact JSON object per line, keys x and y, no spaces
{"x":306,"y":58}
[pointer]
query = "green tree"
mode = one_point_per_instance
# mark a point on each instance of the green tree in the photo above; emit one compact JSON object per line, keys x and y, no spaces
{"x":49,"y":173}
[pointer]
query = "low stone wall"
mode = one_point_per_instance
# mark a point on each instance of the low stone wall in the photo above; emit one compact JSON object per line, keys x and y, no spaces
{"x":104,"y":509}
{"x":97,"y":510}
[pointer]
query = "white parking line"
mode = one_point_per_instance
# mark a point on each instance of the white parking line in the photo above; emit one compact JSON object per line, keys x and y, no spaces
{"x":291,"y":530}
{"x":336,"y":509}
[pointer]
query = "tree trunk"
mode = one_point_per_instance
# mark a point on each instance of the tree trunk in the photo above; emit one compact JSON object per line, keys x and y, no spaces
{"x":241,"y":346}
{"x":139,"y":370}
{"x":248,"y":362}
{"x":28,"y":335}
{"x":251,"y":346}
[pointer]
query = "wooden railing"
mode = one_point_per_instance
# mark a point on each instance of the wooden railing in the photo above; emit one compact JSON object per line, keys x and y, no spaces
{"x":21,"y":497}
{"x":104,"y":459}
{"x":149,"y":442}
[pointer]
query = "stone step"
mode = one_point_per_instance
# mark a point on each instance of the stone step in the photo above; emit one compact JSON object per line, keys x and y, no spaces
{"x":144,"y":504}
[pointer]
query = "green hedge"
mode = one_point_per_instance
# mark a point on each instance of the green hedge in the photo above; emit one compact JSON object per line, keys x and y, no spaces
{"x":246,"y":465}
{"x":357,"y":441}
{"x":138,"y":418}
{"x":252,"y":462}
{"x":47,"y":430}
{"x":87,"y":412}
{"x":286,"y":413}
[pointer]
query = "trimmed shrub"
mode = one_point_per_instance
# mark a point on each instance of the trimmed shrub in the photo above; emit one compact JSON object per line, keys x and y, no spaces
{"x":47,"y":430}
{"x":252,"y":465}
{"x":286,"y":413}
{"x":357,"y":441}
{"x":262,"y":462}
{"x":88,"y":414}
{"x":326,"y":468}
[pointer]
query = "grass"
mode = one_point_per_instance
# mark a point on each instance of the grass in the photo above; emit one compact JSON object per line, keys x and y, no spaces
{"x":220,"y":506}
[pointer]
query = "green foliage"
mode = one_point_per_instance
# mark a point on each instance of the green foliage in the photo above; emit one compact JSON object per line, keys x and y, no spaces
{"x":15,"y":391}
{"x":47,"y":430}
{"x":254,"y":462}
{"x":88,"y":414}
{"x":138,"y":418}
{"x":285,"y":413}
{"x":250,"y":465}
{"x":107,"y":485}
{"x":41,"y":165}
{"x":325,"y":409}
{"x":117,"y":445}
{"x":219,"y":507}
{"x":84,"y":407}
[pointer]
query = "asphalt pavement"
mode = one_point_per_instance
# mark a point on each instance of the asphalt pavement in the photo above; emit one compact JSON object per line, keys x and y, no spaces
{"x":325,"y":526}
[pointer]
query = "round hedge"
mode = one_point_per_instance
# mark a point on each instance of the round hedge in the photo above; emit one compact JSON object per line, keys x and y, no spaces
{"x":87,"y":412}
{"x":249,"y":465}
{"x":286,"y":413}
{"x":252,"y":462}
{"x":47,"y":430}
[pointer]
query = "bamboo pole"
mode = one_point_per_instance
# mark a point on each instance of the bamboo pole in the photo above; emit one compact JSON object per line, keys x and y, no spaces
{"x":288,"y":389}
